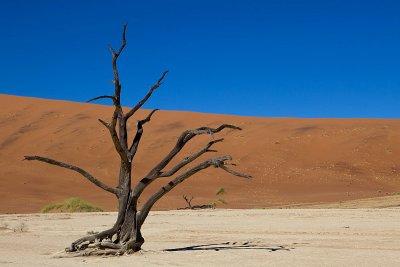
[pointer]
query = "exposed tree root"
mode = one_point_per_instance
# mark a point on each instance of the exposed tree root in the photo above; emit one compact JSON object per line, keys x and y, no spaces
{"x":104,"y":249}
{"x":84,"y":242}
{"x":92,"y":252}
{"x":104,"y":245}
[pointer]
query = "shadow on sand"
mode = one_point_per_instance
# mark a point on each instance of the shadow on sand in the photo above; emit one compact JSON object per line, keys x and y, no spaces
{"x":229,"y":245}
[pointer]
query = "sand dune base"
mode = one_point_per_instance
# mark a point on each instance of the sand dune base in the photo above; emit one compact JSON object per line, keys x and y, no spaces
{"x":277,"y":237}
{"x":293,"y":161}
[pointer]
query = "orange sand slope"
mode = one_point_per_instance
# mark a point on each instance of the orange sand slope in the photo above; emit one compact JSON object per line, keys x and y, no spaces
{"x":292,"y":160}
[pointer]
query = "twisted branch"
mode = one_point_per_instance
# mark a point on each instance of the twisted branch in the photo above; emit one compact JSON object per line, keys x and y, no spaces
{"x":139,"y":133}
{"x":147,"y":96}
{"x":185,"y":137}
{"x":101,"y":97}
{"x":115,"y":139}
{"x":190,"y":159}
{"x":76,"y":169}
{"x":217,"y":162}
{"x":118,"y":140}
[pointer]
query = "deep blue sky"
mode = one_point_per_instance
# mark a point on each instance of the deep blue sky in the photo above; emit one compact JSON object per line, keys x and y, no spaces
{"x":262,"y":58}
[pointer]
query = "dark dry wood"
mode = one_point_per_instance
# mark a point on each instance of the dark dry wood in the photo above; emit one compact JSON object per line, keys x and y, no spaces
{"x":126,"y":232}
{"x":188,"y":201}
{"x":84,"y":173}
{"x":217,"y":162}
{"x":102,"y":97}
{"x":147,"y":96}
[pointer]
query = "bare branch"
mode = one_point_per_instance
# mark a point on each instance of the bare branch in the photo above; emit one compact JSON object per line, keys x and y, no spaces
{"x":106,"y":124}
{"x":76,"y":169}
{"x":101,"y":97}
{"x":120,"y":142}
{"x":115,"y":55}
{"x":111,"y":49}
{"x":188,"y":201}
{"x":236,"y":173}
{"x":182,"y":140}
{"x":208,"y":130}
{"x":217,"y":162}
{"x":148,"y":118}
{"x":139,"y":133}
{"x":123,"y":43}
{"x":123,"y":40}
{"x":190,"y":159}
{"x":118,"y":113}
{"x":115,"y":139}
{"x":147,"y":96}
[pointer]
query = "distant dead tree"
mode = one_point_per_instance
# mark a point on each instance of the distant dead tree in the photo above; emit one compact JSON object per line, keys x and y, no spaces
{"x":125,"y":236}
{"x":188,"y":201}
{"x":189,"y":205}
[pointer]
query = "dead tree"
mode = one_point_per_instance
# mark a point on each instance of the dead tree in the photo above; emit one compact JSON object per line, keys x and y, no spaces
{"x":188,"y":201}
{"x":125,"y":236}
{"x":189,"y":205}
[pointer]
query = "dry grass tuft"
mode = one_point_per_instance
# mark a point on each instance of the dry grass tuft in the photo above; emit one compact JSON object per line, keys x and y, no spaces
{"x":73,"y":204}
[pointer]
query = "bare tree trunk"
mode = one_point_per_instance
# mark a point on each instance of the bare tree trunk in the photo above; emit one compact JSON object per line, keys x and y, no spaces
{"x":125,"y":236}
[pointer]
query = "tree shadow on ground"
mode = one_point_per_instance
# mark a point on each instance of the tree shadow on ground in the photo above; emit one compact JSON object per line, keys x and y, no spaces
{"x":229,"y":245}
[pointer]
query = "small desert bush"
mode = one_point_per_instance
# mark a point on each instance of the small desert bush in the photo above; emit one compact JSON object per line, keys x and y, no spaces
{"x":219,"y":198}
{"x":220,"y":192}
{"x":72,"y":204}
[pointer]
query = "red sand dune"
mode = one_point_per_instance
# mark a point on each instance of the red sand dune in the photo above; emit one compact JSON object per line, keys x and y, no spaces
{"x":292,"y":160}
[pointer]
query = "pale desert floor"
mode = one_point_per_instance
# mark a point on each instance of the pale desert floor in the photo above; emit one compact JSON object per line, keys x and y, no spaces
{"x":273,"y":237}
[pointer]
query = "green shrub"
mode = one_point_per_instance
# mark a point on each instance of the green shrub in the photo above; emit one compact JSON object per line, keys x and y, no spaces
{"x":220,"y":199}
{"x":220,"y":191}
{"x":72,"y":204}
